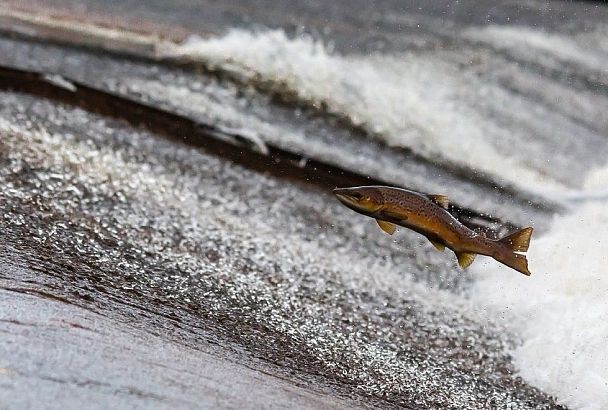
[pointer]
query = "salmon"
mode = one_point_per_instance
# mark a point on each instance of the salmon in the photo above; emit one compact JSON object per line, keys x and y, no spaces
{"x":429,"y":216}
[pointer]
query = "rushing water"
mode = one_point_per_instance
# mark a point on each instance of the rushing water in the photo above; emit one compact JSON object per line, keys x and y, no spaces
{"x":485,"y":121}
{"x":562,"y":311}
{"x":496,"y":116}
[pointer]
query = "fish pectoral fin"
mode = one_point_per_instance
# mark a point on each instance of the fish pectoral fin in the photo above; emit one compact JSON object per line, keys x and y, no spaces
{"x":387,"y":227}
{"x":465,"y":259}
{"x":439,"y":246}
{"x":440,"y":200}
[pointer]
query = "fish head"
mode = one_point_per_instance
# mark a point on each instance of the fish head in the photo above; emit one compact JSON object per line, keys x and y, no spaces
{"x":365,"y":200}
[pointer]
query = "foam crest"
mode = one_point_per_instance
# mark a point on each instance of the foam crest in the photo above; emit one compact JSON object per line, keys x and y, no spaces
{"x":412,"y":101}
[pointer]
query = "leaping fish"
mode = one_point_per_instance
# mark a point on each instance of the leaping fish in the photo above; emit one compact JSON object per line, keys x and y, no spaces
{"x":428,"y":215}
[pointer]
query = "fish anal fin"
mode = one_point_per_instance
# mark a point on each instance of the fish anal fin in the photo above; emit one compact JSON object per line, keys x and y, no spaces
{"x":439,"y":246}
{"x":387,"y":227}
{"x":465,"y":259}
{"x":518,"y":241}
{"x":440,"y":200}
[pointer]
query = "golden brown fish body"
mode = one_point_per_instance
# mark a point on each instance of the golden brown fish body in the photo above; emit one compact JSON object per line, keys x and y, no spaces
{"x":428,"y":215}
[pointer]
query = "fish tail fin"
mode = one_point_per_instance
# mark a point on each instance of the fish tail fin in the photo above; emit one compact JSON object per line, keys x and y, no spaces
{"x":516,"y":242}
{"x":516,"y":261}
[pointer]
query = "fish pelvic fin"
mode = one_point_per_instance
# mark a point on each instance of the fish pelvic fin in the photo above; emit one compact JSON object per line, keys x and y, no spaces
{"x":518,"y":241}
{"x":439,"y":246}
{"x":465,"y":259}
{"x":387,"y":227}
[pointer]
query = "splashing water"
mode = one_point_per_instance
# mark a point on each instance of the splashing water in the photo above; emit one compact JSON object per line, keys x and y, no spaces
{"x":412,"y":101}
{"x":561,"y":311}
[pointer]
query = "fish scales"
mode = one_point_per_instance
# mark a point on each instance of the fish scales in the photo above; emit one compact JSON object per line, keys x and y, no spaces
{"x":428,"y":215}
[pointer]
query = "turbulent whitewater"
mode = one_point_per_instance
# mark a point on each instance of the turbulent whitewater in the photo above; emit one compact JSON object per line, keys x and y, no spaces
{"x":426,"y":102}
{"x":512,"y":103}
{"x":560,"y":312}
{"x":429,"y":104}
{"x":407,"y":102}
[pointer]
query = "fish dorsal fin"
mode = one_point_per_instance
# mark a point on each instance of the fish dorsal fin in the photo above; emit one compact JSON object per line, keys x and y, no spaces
{"x":465,"y":259}
{"x":440,"y":200}
{"x":439,"y":246}
{"x":387,"y":227}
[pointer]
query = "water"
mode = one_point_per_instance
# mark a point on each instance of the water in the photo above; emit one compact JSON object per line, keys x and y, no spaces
{"x":561,"y":312}
{"x":423,"y":102}
{"x":127,"y":218}
{"x":502,"y":118}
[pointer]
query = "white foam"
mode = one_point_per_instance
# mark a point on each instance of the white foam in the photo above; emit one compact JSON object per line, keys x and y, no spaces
{"x":597,"y":179}
{"x":410,"y":101}
{"x":561,"y":311}
{"x":595,"y":188}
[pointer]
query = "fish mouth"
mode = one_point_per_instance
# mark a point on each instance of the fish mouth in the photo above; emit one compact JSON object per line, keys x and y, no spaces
{"x":353,"y":199}
{"x":346,"y":200}
{"x":345,"y":196}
